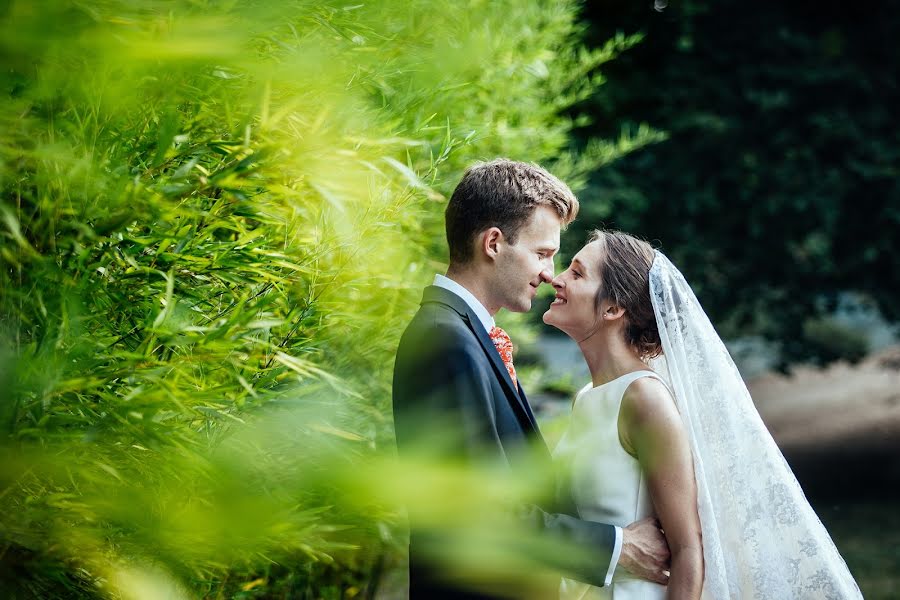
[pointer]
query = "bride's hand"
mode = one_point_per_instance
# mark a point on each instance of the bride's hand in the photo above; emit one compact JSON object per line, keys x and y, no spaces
{"x":645,"y":552}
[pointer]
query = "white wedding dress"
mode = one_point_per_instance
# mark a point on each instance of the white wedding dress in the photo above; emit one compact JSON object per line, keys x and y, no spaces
{"x":761,"y":538}
{"x":605,"y":481}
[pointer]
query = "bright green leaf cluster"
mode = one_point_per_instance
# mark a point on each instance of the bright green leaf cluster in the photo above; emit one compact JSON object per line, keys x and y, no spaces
{"x":215,"y":221}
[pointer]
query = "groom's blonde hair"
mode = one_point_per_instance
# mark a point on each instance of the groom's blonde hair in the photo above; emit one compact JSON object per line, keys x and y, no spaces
{"x":625,"y":281}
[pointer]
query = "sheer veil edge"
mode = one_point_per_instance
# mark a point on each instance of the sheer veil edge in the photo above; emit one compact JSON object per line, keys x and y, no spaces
{"x":761,"y":537}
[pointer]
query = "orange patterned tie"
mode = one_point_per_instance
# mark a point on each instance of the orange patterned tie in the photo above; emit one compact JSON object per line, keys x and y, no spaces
{"x":505,"y":348}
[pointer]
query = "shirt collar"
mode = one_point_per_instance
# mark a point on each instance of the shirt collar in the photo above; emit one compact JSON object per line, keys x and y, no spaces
{"x":471,"y":301}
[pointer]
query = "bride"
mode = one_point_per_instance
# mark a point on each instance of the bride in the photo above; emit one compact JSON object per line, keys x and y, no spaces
{"x":666,"y":427}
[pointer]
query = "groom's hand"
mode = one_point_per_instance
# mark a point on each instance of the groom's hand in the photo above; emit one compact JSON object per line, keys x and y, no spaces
{"x":645,"y":552}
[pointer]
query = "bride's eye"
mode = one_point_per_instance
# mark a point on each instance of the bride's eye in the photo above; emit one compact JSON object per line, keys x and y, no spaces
{"x":576,"y":273}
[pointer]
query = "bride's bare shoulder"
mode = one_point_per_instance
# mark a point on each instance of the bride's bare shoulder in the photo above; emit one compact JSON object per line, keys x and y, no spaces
{"x":647,"y":409}
{"x":647,"y":396}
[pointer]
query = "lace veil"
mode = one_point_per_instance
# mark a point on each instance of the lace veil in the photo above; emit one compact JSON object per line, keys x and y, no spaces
{"x":761,"y":538}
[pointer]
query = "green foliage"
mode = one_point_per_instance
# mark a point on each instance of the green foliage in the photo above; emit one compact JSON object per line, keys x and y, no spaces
{"x":854,"y":526}
{"x":215,"y":223}
{"x":777,"y":188}
{"x":833,"y":340}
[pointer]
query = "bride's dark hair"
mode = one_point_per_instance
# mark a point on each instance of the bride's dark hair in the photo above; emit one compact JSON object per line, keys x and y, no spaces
{"x":625,"y":275}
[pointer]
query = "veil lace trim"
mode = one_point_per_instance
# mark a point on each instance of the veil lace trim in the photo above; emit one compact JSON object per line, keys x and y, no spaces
{"x":761,"y":538}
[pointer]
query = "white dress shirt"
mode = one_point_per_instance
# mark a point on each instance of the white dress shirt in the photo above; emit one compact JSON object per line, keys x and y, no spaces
{"x":488,"y":322}
{"x":471,"y":301}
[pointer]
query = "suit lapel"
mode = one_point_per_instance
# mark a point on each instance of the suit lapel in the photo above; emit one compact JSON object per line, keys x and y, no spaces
{"x":527,"y":407}
{"x":515,"y":393}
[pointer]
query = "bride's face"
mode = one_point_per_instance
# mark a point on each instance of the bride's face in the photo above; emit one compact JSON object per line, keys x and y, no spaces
{"x":575,"y":310}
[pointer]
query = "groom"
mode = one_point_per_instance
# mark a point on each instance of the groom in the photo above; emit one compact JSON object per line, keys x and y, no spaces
{"x":454,"y":372}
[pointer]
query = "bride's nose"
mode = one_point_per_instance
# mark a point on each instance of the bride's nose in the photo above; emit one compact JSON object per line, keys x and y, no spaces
{"x":557,"y":283}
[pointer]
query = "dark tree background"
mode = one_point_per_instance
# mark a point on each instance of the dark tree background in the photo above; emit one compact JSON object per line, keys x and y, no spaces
{"x":777,"y":188}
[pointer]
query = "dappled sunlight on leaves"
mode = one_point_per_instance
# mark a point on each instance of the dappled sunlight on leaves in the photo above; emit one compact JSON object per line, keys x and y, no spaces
{"x":214,"y":224}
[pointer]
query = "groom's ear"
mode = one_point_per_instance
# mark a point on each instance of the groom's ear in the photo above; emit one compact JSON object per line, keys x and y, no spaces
{"x":490,"y":241}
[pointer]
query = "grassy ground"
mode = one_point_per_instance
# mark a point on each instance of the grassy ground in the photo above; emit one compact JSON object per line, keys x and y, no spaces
{"x":868,"y":535}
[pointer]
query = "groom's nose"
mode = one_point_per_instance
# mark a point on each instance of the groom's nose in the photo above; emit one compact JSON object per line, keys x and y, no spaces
{"x":547,"y":275}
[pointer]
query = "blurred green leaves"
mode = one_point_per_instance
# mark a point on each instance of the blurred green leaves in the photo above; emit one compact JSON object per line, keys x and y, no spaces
{"x":215,"y":221}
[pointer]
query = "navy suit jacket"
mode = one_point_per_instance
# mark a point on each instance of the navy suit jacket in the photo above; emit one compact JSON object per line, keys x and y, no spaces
{"x":449,"y":377}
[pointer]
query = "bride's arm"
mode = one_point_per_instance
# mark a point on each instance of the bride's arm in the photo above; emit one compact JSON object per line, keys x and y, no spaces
{"x":651,"y":429}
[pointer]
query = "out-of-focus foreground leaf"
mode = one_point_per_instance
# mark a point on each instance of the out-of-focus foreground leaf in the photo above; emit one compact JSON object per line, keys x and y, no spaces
{"x":214,"y":223}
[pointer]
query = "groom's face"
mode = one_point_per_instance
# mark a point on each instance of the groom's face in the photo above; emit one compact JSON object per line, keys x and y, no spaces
{"x":523,"y":266}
